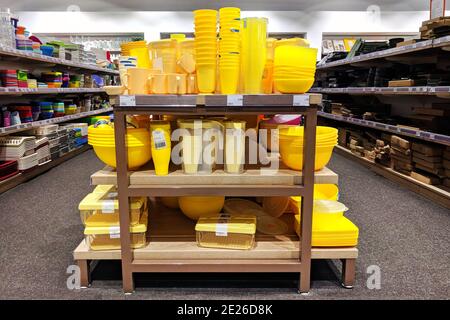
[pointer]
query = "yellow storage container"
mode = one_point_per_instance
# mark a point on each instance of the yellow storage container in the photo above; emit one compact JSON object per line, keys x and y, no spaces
{"x":227,"y":232}
{"x":102,"y":208}
{"x":339,"y":232}
{"x":108,"y":238}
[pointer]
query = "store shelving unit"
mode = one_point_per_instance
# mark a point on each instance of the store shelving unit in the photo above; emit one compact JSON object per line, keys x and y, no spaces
{"x":22,"y":177}
{"x":36,"y":124}
{"x":439,"y":195}
{"x":7,"y":53}
{"x":443,"y":91}
{"x":172,"y":246}
{"x":418,"y":134}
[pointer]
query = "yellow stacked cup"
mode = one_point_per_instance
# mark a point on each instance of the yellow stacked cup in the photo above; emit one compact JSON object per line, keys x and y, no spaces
{"x":205,"y":22}
{"x":254,"y":38}
{"x":229,"y":49}
{"x":161,"y":146}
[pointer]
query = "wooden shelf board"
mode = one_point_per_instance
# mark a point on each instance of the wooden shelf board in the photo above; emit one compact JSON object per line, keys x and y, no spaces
{"x":251,"y":177}
{"x":171,"y":236}
{"x":36,"y":124}
{"x":36,"y":91}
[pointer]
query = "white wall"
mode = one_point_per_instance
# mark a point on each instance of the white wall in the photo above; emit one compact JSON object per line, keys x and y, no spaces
{"x":152,"y":23}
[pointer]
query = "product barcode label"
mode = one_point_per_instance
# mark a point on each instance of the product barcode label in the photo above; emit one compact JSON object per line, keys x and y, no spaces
{"x":301,"y":100}
{"x":222,"y":226}
{"x":108,"y":206}
{"x":235,"y":100}
{"x":128,"y":101}
{"x":159,"y":139}
{"x":114,"y":232}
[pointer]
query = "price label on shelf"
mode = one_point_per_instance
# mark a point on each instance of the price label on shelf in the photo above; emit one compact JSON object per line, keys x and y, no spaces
{"x":300,"y":100}
{"x":128,"y":101}
{"x":114,"y":232}
{"x":235,"y":100}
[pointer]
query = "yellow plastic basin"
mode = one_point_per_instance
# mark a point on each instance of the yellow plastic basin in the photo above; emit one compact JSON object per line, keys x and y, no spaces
{"x":137,"y":156}
{"x":293,"y":85}
{"x":292,"y":155}
{"x":198,"y":207}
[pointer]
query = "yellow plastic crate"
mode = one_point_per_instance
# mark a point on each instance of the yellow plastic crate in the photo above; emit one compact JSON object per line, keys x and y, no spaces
{"x":108,"y":238}
{"x":101,"y":208}
{"x":226,"y":232}
{"x":334,"y":232}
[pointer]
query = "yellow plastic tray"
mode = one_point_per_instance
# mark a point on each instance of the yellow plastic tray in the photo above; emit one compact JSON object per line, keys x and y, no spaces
{"x":108,"y":238}
{"x":334,"y":232}
{"x":226,"y":232}
{"x":103,"y":204}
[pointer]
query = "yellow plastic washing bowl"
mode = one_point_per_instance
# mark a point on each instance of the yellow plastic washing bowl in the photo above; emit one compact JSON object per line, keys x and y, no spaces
{"x":197,"y":207}
{"x":292,"y":155}
{"x":297,"y":132}
{"x":293,"y":85}
{"x":137,"y":156}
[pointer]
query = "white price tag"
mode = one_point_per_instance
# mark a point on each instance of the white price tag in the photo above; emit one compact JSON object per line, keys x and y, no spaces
{"x":108,"y":206}
{"x":112,"y":195}
{"x":128,"y":101}
{"x":222,"y":229}
{"x":159,"y":139}
{"x":301,"y":100}
{"x":114,"y":232}
{"x":235,"y":100}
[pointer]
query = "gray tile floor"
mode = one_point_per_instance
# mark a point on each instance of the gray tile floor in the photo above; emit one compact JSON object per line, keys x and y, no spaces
{"x":404,"y":234}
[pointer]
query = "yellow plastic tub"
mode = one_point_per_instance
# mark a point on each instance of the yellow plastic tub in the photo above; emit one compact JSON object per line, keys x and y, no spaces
{"x":102,"y":208}
{"x":292,"y":156}
{"x":293,"y":85}
{"x":295,"y":56}
{"x":321,"y":192}
{"x":197,"y":207}
{"x":108,"y":238}
{"x":170,"y":202}
{"x":226,"y":232}
{"x":339,"y":232}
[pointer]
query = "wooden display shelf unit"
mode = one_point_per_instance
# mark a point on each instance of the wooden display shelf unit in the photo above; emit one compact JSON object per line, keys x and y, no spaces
{"x":431,"y":192}
{"x":23,"y":177}
{"x":36,"y":124}
{"x":214,"y":105}
{"x":441,"y":91}
{"x":46,"y":91}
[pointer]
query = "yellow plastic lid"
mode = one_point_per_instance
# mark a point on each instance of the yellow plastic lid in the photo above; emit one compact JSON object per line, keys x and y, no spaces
{"x":271,"y":226}
{"x":137,"y":228}
{"x":105,"y":188}
{"x":163,"y":44}
{"x":237,"y":206}
{"x":107,"y":202}
{"x":329,"y":206}
{"x":275,"y":206}
{"x":225,"y":223}
{"x":341,"y":227}
{"x":178,"y":36}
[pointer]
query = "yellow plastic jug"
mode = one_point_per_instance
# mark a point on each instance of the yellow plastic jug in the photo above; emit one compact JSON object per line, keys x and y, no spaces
{"x":161,"y":146}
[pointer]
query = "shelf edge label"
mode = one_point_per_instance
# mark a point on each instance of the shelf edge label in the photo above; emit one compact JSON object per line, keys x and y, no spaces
{"x":127,"y":101}
{"x":300,"y":100}
{"x":235,"y":100}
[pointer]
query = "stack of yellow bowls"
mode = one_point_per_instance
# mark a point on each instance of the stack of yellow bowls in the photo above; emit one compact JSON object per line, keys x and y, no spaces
{"x":205,"y":22}
{"x":291,"y":146}
{"x":294,"y":68}
{"x":101,"y":138}
{"x":229,"y":49}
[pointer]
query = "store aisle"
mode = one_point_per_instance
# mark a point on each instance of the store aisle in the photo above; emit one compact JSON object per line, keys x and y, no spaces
{"x":401,"y":232}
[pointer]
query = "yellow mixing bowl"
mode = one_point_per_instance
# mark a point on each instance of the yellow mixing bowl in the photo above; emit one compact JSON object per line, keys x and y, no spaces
{"x":137,"y":156}
{"x":292,"y":155}
{"x":170,"y":202}
{"x":293,"y":85}
{"x":297,"y":132}
{"x":197,"y":207}
{"x":295,"y":56}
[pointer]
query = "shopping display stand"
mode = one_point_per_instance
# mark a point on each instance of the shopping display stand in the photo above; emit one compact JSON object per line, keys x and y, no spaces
{"x":172,"y":246}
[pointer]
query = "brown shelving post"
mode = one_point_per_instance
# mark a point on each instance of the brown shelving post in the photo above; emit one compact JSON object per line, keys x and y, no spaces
{"x":214,"y":105}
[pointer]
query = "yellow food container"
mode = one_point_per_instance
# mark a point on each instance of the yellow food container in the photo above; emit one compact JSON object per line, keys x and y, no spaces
{"x":161,"y":146}
{"x":321,"y":192}
{"x":227,"y":232}
{"x":331,"y":233}
{"x":108,"y":238}
{"x":102,"y":208}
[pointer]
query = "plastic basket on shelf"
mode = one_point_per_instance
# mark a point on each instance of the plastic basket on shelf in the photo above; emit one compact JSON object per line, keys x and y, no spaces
{"x":227,"y":232}
{"x":8,"y":169}
{"x":12,"y":148}
{"x":108,"y":238}
{"x":28,"y":162}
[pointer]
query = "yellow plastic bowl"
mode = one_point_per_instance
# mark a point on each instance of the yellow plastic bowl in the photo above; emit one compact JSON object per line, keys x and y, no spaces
{"x":292,"y":155}
{"x":137,"y":156}
{"x":321,"y":192}
{"x":170,"y":202}
{"x":293,"y":85}
{"x":322,"y":132}
{"x":197,"y":207}
{"x":295,"y":56}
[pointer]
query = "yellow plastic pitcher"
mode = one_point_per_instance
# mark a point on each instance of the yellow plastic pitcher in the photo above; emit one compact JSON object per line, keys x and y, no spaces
{"x":161,"y":146}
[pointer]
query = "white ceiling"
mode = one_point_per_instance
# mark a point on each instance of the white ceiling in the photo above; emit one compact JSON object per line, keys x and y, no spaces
{"x":188,"y":5}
